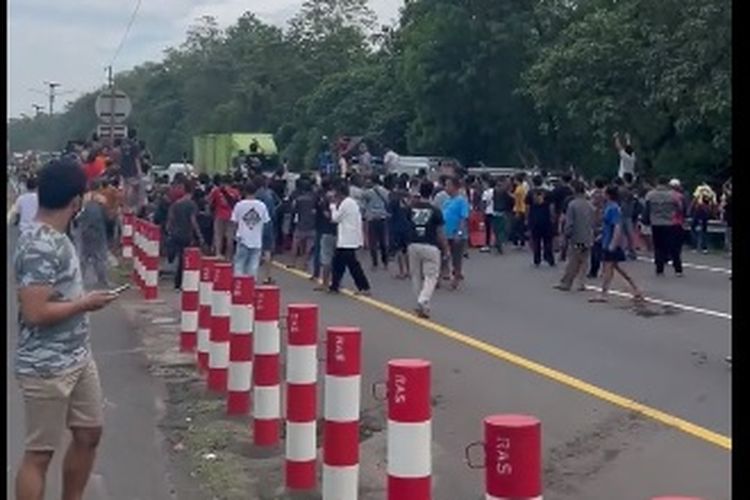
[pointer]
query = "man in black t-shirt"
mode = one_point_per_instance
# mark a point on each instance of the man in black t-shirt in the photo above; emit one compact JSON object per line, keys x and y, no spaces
{"x":540,"y":221}
{"x":427,"y":239}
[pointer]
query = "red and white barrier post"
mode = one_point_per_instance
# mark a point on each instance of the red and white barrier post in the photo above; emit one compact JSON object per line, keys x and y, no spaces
{"x":151,"y":261}
{"x":341,"y":413}
{"x":409,"y":430}
{"x":205,"y":292}
{"x":189,"y":301}
{"x":138,"y":253}
{"x":512,"y":457}
{"x":301,"y":379}
{"x":219,"y":337}
{"x":241,"y":346}
{"x":127,"y":235}
{"x":266,"y":367}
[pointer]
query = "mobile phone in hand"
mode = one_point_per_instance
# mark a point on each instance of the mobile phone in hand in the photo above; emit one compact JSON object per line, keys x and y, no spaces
{"x":119,"y":289}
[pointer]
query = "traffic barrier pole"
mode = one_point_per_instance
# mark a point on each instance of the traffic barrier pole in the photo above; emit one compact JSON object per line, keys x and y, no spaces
{"x":341,"y":413}
{"x":512,"y":457}
{"x":219,"y":337}
{"x":127,"y":236}
{"x":241,"y":346}
{"x":137,"y":223}
{"x":189,"y":302}
{"x":301,"y":379}
{"x":151,"y":277}
{"x":409,"y":430}
{"x":266,"y":367}
{"x":205,"y":291}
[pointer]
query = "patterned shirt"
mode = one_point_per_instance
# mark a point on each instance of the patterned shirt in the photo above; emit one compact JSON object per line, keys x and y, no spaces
{"x":45,"y":256}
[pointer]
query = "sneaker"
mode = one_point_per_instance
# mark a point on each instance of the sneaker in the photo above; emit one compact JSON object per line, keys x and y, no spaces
{"x":705,"y":252}
{"x":561,"y":287}
{"x":679,"y":274}
{"x":484,"y":249}
{"x":422,"y":312}
{"x":363,"y":293}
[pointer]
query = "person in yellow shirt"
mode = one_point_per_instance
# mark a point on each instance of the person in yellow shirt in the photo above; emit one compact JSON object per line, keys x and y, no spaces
{"x":520,"y":190}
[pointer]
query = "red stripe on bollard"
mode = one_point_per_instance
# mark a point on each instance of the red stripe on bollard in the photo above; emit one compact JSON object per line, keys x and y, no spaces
{"x":219,"y":336}
{"x":205,"y":291}
{"x":409,"y":430}
{"x":239,"y":383}
{"x":127,"y":235}
{"x":189,"y":299}
{"x":301,"y":378}
{"x":513,"y":451}
{"x":341,"y":413}
{"x":266,"y":367}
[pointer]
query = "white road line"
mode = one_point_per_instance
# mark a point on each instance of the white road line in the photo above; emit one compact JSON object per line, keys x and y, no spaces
{"x":659,"y":302}
{"x":699,"y":267}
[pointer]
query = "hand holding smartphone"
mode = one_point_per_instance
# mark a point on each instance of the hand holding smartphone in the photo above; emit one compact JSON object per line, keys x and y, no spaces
{"x":117,"y":291}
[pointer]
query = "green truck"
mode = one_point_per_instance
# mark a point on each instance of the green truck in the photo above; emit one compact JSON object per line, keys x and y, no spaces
{"x":215,"y":153}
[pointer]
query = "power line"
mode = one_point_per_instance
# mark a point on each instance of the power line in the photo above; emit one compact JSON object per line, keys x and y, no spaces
{"x":127,"y":31}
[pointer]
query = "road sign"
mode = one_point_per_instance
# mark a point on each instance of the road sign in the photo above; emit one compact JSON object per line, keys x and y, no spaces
{"x":105,"y":106}
{"x":118,"y":131}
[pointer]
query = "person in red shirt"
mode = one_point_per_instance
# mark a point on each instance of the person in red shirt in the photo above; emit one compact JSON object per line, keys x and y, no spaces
{"x":221,"y":201}
{"x":177,"y":190}
{"x":95,"y":166}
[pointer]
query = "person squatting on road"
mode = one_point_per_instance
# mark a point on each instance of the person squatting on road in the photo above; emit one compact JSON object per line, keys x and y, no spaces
{"x":579,"y":232}
{"x":427,"y":238}
{"x":53,"y":362}
{"x":612,"y":248}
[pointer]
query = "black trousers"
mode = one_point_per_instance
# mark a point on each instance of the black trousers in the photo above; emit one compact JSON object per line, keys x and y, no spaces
{"x":377,"y":238}
{"x":178,"y":251}
{"x":489,"y":221}
{"x":347,"y":258}
{"x":541,"y":238}
{"x":667,"y":246}
{"x":596,"y":259}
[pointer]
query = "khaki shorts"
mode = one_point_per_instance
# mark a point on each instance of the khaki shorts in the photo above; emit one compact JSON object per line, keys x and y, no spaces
{"x":72,"y":399}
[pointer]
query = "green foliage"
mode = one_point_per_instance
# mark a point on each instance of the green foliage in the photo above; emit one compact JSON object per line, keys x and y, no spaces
{"x":503,"y":81}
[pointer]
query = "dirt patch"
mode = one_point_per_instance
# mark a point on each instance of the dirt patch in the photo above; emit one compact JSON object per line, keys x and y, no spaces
{"x":215,"y":452}
{"x":571,"y":465}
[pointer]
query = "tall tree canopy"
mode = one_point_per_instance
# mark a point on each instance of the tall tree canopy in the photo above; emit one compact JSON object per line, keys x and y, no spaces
{"x":502,"y":81}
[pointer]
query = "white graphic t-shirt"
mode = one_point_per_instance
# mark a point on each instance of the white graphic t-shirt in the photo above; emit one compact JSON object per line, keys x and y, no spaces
{"x":250,"y":215}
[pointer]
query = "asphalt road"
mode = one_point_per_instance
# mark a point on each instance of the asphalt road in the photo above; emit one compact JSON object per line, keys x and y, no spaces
{"x":592,"y":449}
{"x":670,"y":359}
{"x":131,"y":464}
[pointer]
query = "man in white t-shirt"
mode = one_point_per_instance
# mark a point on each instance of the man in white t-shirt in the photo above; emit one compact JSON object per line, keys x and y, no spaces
{"x":390,"y":161}
{"x":627,"y":156}
{"x":249,"y":216}
{"x":345,"y":212}
{"x":488,"y":202}
{"x":25,"y":208}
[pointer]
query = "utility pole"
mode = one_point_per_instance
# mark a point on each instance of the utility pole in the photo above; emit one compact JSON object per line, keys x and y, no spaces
{"x":111,"y":87}
{"x":52,"y":86}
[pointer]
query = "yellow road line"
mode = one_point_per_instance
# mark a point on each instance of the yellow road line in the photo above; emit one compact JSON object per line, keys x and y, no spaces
{"x":558,"y":376}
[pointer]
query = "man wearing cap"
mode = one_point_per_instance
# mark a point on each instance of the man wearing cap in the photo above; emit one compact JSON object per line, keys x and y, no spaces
{"x":665,"y":212}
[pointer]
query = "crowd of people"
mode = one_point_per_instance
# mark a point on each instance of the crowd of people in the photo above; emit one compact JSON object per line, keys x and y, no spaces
{"x":323,"y":218}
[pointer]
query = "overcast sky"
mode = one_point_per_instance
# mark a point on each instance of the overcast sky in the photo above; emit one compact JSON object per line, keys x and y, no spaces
{"x":72,"y":41}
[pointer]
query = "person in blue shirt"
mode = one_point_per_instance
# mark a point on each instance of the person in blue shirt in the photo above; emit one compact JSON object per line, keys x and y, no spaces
{"x":456,"y":215}
{"x":612,"y":247}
